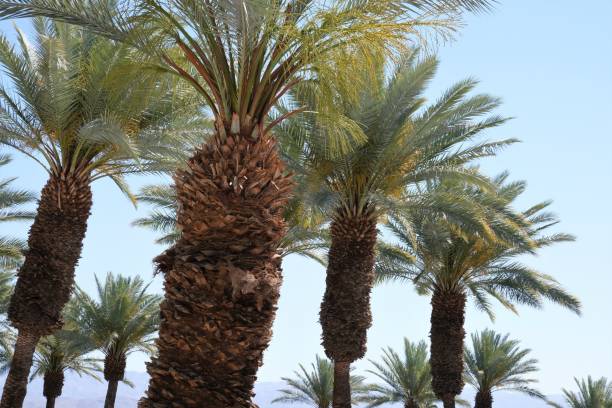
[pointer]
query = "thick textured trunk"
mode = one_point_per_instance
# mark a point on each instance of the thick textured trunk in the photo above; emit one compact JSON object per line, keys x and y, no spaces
{"x":345,"y":311}
{"x":342,"y":385}
{"x":222,"y":278}
{"x":52,"y":387}
{"x":114,"y":371}
{"x":16,"y":383}
{"x":484,"y":399}
{"x":447,"y":335}
{"x":45,"y":280}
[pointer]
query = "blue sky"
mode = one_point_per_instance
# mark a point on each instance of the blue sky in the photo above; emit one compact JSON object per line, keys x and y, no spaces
{"x":551,"y":62}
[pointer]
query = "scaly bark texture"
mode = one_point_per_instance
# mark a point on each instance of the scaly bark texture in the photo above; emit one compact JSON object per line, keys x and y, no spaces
{"x":52,"y":387}
{"x":484,"y":399}
{"x":342,"y":384}
{"x":345,"y":311}
{"x":447,"y":335}
{"x":114,"y":371}
{"x":222,"y":278}
{"x":45,"y":280}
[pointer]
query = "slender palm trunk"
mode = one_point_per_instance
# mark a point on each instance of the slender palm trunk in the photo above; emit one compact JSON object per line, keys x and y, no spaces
{"x":447,"y":335}
{"x":114,"y":371}
{"x":45,"y":280}
{"x":222,"y":278}
{"x":484,"y":399}
{"x":345,"y":311}
{"x":52,"y":387}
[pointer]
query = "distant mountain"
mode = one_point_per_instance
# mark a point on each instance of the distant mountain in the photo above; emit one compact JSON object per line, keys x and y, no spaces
{"x":85,"y":392}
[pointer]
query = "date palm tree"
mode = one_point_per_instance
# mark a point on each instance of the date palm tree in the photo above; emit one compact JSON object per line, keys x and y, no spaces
{"x":453,"y":263}
{"x":76,"y":107}
{"x":406,"y":144}
{"x":496,"y":362}
{"x":123,"y":319}
{"x":242,"y":57}
{"x":57,"y":354}
{"x":406,"y":378}
{"x":591,"y":394}
{"x":315,"y":387}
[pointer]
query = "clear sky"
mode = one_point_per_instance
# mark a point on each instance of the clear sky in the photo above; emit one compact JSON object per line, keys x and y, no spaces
{"x":551,"y":62}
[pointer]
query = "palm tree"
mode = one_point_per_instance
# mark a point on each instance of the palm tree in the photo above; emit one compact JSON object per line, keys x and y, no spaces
{"x":242,"y":57}
{"x":77,"y":108}
{"x":122,"y":320}
{"x":496,"y":362}
{"x":405,"y":144}
{"x":315,"y":387}
{"x":591,"y":394}
{"x":406,"y":379}
{"x":11,"y":249}
{"x":57,"y":354}
{"x":452,"y":263}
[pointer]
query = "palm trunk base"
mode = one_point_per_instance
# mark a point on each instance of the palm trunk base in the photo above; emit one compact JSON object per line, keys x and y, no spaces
{"x":342,"y":385}
{"x":50,"y":402}
{"x":16,"y":384}
{"x":483,"y":400}
{"x":111,"y":394}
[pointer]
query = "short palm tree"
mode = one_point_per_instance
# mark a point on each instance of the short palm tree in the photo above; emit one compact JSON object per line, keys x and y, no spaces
{"x":591,"y":394}
{"x":57,"y":354}
{"x":11,"y":201}
{"x":453,"y":263}
{"x":76,"y":107}
{"x":242,"y":57}
{"x":315,"y":387}
{"x":496,"y":362}
{"x":122,"y":320}
{"x":405,"y":378}
{"x":405,"y":143}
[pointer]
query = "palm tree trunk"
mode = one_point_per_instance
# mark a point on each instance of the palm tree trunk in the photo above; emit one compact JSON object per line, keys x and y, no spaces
{"x":52,"y":387}
{"x":345,"y":311}
{"x":16,"y":384}
{"x":222,"y":278}
{"x":45,"y":280}
{"x":447,"y":335}
{"x":114,"y":371}
{"x":111,"y":394}
{"x":484,"y":399}
{"x":342,"y":385}
{"x":411,"y":403}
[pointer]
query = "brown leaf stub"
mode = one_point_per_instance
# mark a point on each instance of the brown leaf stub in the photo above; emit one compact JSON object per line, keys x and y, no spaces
{"x":222,"y":279}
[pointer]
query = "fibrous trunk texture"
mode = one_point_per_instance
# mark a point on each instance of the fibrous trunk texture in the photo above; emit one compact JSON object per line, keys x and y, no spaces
{"x":345,"y":311}
{"x":114,"y":371}
{"x":52,"y":386}
{"x":342,"y":384}
{"x":447,"y":335}
{"x":222,"y":278}
{"x":45,"y":280}
{"x":484,"y":399}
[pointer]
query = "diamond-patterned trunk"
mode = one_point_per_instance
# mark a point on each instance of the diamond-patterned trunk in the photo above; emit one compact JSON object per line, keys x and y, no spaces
{"x":52,"y":386}
{"x":222,"y":278}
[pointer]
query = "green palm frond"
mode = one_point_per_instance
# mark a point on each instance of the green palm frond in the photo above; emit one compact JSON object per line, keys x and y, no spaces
{"x":592,"y":393}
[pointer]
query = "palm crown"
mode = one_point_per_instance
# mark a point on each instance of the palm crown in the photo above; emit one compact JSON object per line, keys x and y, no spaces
{"x":592,"y":393}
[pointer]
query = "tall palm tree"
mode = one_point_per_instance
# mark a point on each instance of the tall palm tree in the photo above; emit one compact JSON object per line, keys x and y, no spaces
{"x":496,"y":362}
{"x":406,"y":378}
{"x":77,"y":108}
{"x":57,"y":354}
{"x":405,"y":144}
{"x":242,"y":57}
{"x":591,"y":394}
{"x":315,"y":387}
{"x":11,"y":201}
{"x":452,"y":264}
{"x":122,"y":320}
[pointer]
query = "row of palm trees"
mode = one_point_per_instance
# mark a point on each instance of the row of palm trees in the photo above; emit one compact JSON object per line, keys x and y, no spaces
{"x":320,"y":136}
{"x":493,"y":362}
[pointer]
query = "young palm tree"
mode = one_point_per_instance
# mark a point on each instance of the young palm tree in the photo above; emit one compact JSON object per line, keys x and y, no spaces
{"x":242,"y":57}
{"x":77,"y":108}
{"x":496,"y":362}
{"x":122,"y":320}
{"x":406,"y":144}
{"x":591,"y":394}
{"x":57,"y":354}
{"x":406,"y":379}
{"x":11,"y":249}
{"x":315,"y":388}
{"x":452,"y":263}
